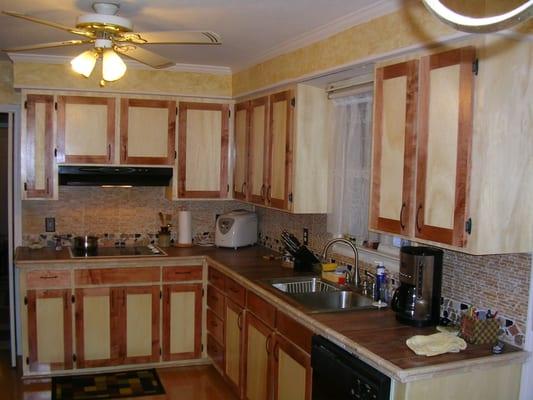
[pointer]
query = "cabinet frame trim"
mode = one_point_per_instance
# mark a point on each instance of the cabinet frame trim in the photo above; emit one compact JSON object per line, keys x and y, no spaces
{"x":242,"y":192}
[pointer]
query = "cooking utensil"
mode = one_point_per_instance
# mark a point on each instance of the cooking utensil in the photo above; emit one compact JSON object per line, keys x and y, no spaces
{"x":85,"y":243}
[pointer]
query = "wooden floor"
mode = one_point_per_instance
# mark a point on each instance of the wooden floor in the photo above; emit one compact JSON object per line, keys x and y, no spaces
{"x":184,"y":383}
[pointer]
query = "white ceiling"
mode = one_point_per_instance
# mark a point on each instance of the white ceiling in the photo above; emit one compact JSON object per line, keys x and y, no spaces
{"x":251,"y":30}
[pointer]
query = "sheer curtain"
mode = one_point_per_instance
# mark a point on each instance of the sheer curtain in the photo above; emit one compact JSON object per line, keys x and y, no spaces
{"x":349,"y":169}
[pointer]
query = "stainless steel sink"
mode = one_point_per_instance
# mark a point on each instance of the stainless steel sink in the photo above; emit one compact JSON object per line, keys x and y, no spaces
{"x":317,"y":295}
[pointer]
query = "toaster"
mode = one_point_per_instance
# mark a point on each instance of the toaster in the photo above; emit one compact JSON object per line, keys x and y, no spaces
{"x":236,"y":229}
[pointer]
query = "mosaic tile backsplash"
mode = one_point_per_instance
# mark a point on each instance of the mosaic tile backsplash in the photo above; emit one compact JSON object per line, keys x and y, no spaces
{"x":126,"y":214}
{"x":496,"y":282}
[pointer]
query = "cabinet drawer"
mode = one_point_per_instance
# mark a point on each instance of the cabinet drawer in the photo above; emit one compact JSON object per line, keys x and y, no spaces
{"x":216,"y":278}
{"x":112,"y":276}
{"x":215,"y":326}
{"x":216,"y":352}
{"x":215,"y":301}
{"x":235,"y":292}
{"x":184,"y":273}
{"x":263,"y":310}
{"x":48,"y":278}
{"x":294,"y":331}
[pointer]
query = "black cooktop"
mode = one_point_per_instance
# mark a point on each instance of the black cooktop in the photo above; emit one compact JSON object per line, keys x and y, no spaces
{"x":137,"y":251}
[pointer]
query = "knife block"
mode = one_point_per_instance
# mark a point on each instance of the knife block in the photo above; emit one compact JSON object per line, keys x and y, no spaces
{"x":304,"y":260}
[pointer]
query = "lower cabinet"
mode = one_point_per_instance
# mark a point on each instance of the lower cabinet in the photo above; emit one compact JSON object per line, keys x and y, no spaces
{"x":234,"y":344}
{"x":182,"y":321}
{"x":49,"y":330}
{"x":291,"y":370}
{"x":259,"y":342}
{"x":110,"y":316}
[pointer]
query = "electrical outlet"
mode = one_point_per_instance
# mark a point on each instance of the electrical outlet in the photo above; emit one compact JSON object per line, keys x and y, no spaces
{"x":306,"y":236}
{"x":50,"y":224}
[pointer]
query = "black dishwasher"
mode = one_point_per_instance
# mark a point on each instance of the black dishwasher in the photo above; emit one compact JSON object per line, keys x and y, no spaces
{"x":340,"y":375}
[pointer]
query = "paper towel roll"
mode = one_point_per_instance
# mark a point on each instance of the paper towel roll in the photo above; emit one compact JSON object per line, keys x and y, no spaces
{"x":184,"y":227}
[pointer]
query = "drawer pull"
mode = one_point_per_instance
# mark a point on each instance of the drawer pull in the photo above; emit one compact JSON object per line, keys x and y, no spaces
{"x":182,"y":272}
{"x":49,"y":277}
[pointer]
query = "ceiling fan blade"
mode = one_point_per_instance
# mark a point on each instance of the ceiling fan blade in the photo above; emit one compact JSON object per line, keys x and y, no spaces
{"x":144,"y":56}
{"x":180,"y":37}
{"x":48,"y":45}
{"x":75,"y":31}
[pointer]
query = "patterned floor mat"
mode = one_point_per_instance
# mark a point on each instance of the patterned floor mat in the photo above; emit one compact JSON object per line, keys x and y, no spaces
{"x":107,"y":386}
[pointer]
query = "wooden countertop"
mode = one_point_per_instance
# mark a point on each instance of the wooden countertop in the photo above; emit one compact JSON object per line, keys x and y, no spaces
{"x":373,"y":335}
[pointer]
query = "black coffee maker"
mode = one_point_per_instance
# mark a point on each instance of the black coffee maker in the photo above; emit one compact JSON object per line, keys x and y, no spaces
{"x":417,"y":300}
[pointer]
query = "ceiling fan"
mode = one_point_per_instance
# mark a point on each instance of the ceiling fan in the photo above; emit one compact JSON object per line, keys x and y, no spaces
{"x":111,"y":34}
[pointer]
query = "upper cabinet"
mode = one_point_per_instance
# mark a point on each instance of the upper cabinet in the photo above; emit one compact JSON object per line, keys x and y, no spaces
{"x":85,"y":129}
{"x":147,"y":131}
{"x":37,"y":148}
{"x":430,"y":168}
{"x":241,"y":139}
{"x":287,"y":151}
{"x":452,"y":149}
{"x":203,"y":150}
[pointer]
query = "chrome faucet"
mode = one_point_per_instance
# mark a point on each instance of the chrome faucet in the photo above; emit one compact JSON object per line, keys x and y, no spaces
{"x":355,"y":277}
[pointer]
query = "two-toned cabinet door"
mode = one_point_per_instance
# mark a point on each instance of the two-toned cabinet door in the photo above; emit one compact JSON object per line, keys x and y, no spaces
{"x":444,"y":145}
{"x":203,"y":140}
{"x":258,"y":349}
{"x":98,"y":343}
{"x":182,"y":321}
{"x":257,"y":150}
{"x":85,"y":129}
{"x":279,"y":170}
{"x":292,"y":373}
{"x":234,"y":335}
{"x":147,"y":131}
{"x":37,"y":155}
{"x":49,"y":319}
{"x":394,"y":147}
{"x":242,"y":133}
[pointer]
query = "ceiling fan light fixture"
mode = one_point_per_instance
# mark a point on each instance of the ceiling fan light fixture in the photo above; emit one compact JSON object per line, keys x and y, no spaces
{"x":480,"y":25}
{"x":113,"y":67}
{"x":84,"y":63}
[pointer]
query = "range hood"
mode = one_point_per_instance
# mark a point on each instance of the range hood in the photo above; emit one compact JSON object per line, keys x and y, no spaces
{"x":74,"y":175}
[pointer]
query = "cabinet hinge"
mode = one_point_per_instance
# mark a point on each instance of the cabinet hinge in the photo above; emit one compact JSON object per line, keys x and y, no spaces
{"x":73,"y":299}
{"x":74,"y":358}
{"x":25,"y":300}
{"x":293,"y":102}
{"x":25,"y":186}
{"x":290,"y":197}
{"x":25,"y":104}
{"x":55,"y":105}
{"x":475,"y":66}
{"x":468,"y":226}
{"x":27,"y":360}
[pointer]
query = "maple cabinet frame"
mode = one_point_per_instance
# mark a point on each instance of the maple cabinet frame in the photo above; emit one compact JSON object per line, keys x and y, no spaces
{"x":263,"y":157}
{"x":182,"y":150}
{"x":170,"y":106}
{"x":403,"y":225}
{"x":62,"y":157}
{"x":28,"y":155}
{"x":464,"y":57}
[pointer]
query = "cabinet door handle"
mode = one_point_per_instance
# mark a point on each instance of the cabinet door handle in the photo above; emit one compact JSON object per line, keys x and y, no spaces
{"x":48,"y":277}
{"x":275,"y":351}
{"x":418,"y":228}
{"x":48,"y":185}
{"x":263,"y":192}
{"x":268,"y":343}
{"x":269,"y":199}
{"x":242,"y":187}
{"x":402,"y":225}
{"x":239,"y":320}
{"x":108,"y":152}
{"x":182,"y":272}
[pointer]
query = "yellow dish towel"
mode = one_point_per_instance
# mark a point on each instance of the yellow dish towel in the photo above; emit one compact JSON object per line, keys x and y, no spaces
{"x":438,"y":343}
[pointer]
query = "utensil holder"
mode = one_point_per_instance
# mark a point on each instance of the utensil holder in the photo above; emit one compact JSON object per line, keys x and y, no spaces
{"x":163,"y":239}
{"x":476,"y":331}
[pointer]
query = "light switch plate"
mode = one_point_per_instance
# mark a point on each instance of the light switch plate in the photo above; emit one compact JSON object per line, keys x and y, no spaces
{"x":50,"y":224}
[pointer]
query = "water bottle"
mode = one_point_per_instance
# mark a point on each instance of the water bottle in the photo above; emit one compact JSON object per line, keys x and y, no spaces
{"x":381,"y":284}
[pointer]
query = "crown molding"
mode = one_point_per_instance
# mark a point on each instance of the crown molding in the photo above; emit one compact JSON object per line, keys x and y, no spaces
{"x":55,"y":59}
{"x":374,"y":10}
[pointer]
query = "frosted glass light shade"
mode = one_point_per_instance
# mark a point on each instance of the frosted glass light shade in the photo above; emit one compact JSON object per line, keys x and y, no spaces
{"x":84,"y":63}
{"x":113,"y":67}
{"x":477,"y":25}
